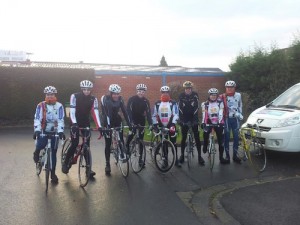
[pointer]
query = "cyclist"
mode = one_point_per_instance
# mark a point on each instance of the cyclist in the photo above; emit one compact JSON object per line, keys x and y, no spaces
{"x":82,"y":104}
{"x":111,"y":105}
{"x":233,"y":115}
{"x":138,"y":108}
{"x":212,"y":113}
{"x":166,"y":114}
{"x":49,"y":116}
{"x":188,"y":112}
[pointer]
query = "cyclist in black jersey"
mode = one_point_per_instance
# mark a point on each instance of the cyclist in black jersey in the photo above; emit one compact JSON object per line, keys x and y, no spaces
{"x":138,"y":108}
{"x":111,"y":105}
{"x":188,"y":112}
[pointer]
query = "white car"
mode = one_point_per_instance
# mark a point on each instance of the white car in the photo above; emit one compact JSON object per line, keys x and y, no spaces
{"x":279,"y":121}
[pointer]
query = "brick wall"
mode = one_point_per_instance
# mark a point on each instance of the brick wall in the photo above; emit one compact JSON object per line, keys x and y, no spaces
{"x":129,"y":82}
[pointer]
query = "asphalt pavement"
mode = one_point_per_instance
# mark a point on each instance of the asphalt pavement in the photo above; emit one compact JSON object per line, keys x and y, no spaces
{"x":230,"y":194}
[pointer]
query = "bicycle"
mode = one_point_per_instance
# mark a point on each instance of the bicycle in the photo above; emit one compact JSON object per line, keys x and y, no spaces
{"x":211,"y":145}
{"x":118,"y":150}
{"x":45,"y":158}
{"x":83,"y":152}
{"x":164,"y":153}
{"x":251,"y":149}
{"x":137,"y":151}
{"x":154,"y":141}
{"x":190,"y":144}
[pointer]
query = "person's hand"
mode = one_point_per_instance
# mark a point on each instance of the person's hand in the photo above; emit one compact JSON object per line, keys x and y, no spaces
{"x":203,"y":125}
{"x":36,"y":135}
{"x":155,"y":128}
{"x":100,"y":131}
{"x":74,"y":128}
{"x":62,"y":136}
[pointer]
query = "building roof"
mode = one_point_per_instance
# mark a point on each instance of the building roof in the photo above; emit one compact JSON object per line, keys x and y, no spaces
{"x":117,"y":68}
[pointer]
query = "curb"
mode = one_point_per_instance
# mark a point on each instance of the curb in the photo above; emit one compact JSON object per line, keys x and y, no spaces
{"x":205,"y":203}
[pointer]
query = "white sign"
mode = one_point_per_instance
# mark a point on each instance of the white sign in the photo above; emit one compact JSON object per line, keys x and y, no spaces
{"x":6,"y":55}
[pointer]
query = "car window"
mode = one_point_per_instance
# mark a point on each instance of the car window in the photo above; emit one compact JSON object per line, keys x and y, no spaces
{"x":289,"y":99}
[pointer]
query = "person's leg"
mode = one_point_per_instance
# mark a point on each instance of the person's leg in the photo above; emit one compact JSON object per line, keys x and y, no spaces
{"x":227,"y":137}
{"x":195,"y":129}
{"x":54,"y":146}
{"x":220,"y":137}
{"x":40,"y":144}
{"x":70,"y":152}
{"x":184,"y":130}
{"x":206,"y":133}
{"x":235,"y":131}
{"x":107,"y":153}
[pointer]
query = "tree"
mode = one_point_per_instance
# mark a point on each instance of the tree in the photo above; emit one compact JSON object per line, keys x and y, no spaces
{"x":163,"y":62}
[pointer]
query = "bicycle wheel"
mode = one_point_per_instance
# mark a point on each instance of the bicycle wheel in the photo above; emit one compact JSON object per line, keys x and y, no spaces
{"x":153,"y":144}
{"x":164,"y":157}
{"x":65,"y":149}
{"x":211,"y":153}
{"x":84,"y":167}
{"x":189,"y":150}
{"x":47,"y":168}
{"x":137,"y":155}
{"x":39,"y":165}
{"x":257,"y":155}
{"x":123,"y":163}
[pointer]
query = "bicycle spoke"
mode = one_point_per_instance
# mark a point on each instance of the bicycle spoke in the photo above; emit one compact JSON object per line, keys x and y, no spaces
{"x":164,"y":156}
{"x":84,"y":168}
{"x":137,"y":155}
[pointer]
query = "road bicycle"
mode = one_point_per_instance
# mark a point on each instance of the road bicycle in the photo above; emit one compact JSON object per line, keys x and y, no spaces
{"x":190,"y":144}
{"x":211,"y":149}
{"x":164,"y":151}
{"x":118,"y":150}
{"x":137,"y":151}
{"x":45,"y":157}
{"x":82,"y":152}
{"x":154,"y":141}
{"x":250,"y":147}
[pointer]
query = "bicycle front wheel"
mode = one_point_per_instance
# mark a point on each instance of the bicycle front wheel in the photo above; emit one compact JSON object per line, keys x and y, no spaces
{"x":84,"y":167}
{"x":65,"y":149}
{"x":137,"y":155}
{"x":211,"y":153}
{"x":47,"y":168}
{"x":164,"y":156}
{"x":257,"y":155}
{"x":189,"y":150}
{"x":123,"y":163}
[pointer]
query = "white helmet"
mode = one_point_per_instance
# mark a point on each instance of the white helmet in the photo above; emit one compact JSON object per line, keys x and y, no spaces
{"x":164,"y":88}
{"x":141,"y":87}
{"x":230,"y":83}
{"x":86,"y":84}
{"x":115,"y":88}
{"x":213,"y":91}
{"x":50,"y":90}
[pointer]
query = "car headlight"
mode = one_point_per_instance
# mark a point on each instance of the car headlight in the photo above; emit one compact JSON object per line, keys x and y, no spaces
{"x":289,"y":121}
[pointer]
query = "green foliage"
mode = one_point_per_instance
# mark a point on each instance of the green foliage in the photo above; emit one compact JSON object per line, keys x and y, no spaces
{"x":163,"y":62}
{"x":21,"y":89}
{"x":262,"y":75}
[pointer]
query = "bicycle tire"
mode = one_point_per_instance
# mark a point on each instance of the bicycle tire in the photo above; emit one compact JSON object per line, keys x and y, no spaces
{"x":164,"y":158}
{"x":211,"y":153}
{"x":38,"y":165}
{"x":65,"y":148}
{"x":123,"y":164}
{"x":84,"y":167}
{"x":137,"y":156}
{"x":189,"y":150}
{"x":47,"y":169}
{"x":153,"y":144}
{"x":257,"y":155}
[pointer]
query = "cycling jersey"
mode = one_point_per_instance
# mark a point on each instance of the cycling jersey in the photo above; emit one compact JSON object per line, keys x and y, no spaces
{"x":188,"y":107}
{"x":212,"y":112}
{"x":48,"y":117}
{"x":165,"y":113}
{"x":110,"y":110}
{"x":234,"y":105}
{"x":81,"y":106}
{"x":139,"y":108}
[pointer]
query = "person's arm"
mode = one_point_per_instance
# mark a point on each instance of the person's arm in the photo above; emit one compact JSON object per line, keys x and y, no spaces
{"x":38,"y":116}
{"x":105,"y":111}
{"x":175,"y":113}
{"x":148,"y":112}
{"x":196,"y":107}
{"x":155,"y":114}
{"x":73,"y":108}
{"x":240,"y":104}
{"x":180,"y":107}
{"x":60,"y":120}
{"x":95,"y":113}
{"x":129,"y":108}
{"x":204,"y":113}
{"x":221,"y":112}
{"x":124,"y":111}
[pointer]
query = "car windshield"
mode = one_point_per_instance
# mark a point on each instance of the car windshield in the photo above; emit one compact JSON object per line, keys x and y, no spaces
{"x":289,"y":99}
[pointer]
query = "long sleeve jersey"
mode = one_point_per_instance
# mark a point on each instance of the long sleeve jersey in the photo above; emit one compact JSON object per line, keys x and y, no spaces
{"x":138,"y":110}
{"x":212,"y":112}
{"x":81,"y":107}
{"x":234,"y":105}
{"x":110,"y":110}
{"x":188,"y":107}
{"x":165,"y":113}
{"x":49,"y":117}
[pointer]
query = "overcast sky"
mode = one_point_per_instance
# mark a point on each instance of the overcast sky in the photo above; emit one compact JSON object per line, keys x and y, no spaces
{"x":191,"y":33}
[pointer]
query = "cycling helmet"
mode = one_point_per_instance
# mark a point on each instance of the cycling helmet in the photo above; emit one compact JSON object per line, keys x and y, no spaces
{"x":187,"y":84}
{"x":213,"y":91}
{"x":50,"y":90}
{"x":230,"y":83}
{"x":164,"y":88}
{"x":86,"y":84}
{"x":114,"y":88}
{"x":141,"y":87}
